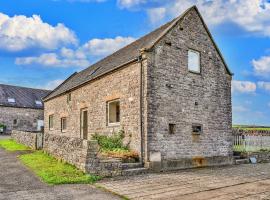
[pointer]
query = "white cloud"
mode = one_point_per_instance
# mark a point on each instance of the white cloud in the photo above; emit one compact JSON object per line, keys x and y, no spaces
{"x":130,"y":3}
{"x":103,"y":47}
{"x":53,"y":60}
{"x":264,"y":85}
{"x":21,"y":32}
{"x":252,"y":15}
{"x":80,"y":57}
{"x":243,"y":87}
{"x":156,"y":14}
{"x":262,"y":66}
{"x":52,"y":84}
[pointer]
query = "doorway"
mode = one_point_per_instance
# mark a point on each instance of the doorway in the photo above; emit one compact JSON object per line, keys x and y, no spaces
{"x":84,"y":124}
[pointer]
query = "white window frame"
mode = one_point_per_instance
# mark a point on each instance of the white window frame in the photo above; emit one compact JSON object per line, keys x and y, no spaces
{"x":62,"y":124}
{"x":199,"y":61}
{"x":108,"y":113}
{"x":82,"y":121}
{"x":51,"y":120}
{"x":40,"y":123}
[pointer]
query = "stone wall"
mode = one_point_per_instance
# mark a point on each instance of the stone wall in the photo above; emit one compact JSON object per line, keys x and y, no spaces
{"x":81,"y":153}
{"x":27,"y":119}
{"x":177,"y":96}
{"x":27,"y":138}
{"x":123,"y":84}
{"x":262,"y":157}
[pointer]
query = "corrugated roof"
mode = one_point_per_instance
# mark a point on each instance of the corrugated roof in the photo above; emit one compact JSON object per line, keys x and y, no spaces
{"x":119,"y":58}
{"x":15,"y":96}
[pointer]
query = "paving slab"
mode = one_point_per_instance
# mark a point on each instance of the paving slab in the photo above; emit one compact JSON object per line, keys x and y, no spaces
{"x":218,"y":183}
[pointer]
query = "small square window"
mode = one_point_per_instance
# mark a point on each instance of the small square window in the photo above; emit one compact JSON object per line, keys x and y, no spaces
{"x":197,"y":129}
{"x":194,"y":61}
{"x":63,"y":124}
{"x":51,"y":122}
{"x":172,"y":128}
{"x":113,"y":112}
{"x":11,"y":100}
{"x":15,"y":122}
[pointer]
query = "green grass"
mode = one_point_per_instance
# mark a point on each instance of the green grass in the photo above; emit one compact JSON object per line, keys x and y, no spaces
{"x":55,"y":172}
{"x":11,"y":145}
{"x":250,"y":128}
{"x":242,"y":148}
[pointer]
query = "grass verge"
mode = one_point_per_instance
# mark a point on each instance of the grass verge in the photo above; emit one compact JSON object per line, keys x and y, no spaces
{"x":11,"y":145}
{"x":55,"y":172}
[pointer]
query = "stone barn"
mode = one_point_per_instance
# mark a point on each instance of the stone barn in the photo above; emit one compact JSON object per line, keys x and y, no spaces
{"x":21,"y":108}
{"x":169,"y":91}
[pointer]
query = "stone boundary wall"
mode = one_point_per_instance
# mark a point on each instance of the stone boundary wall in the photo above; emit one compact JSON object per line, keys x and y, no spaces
{"x":81,"y":153}
{"x":237,"y":131}
{"x":262,"y":157}
{"x":27,"y":138}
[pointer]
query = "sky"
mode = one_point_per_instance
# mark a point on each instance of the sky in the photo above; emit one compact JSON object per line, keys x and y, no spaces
{"x":42,"y":42}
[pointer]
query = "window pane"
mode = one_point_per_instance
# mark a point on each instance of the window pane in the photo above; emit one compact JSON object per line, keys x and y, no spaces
{"x":50,"y":121}
{"x":114,"y":112}
{"x":64,"y":124}
{"x":193,"y":61}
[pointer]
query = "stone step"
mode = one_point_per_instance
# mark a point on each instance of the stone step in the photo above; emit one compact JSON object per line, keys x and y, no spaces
{"x":241,"y":161}
{"x":135,"y":171}
{"x":107,"y":160}
{"x":237,"y":157}
{"x":131,"y":165}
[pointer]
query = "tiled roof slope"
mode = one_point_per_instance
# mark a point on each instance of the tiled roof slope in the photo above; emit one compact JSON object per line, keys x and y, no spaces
{"x":120,"y":57}
{"x":24,"y":97}
{"x":117,"y":59}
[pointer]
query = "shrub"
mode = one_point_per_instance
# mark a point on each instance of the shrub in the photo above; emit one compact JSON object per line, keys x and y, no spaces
{"x":112,"y":146}
{"x":112,"y":142}
{"x":2,"y":127}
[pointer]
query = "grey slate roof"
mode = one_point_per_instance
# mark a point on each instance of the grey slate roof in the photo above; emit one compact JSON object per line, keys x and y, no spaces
{"x":119,"y":58}
{"x":24,"y":97}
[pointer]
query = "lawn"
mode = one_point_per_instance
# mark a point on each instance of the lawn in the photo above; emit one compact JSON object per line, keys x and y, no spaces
{"x":55,"y":172}
{"x":11,"y":145}
{"x":248,"y":128}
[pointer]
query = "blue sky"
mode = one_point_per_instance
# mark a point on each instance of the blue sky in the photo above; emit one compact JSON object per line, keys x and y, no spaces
{"x":43,"y":41}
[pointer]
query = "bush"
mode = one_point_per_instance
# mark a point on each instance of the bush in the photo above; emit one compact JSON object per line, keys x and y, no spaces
{"x":2,"y":128}
{"x":108,"y":143}
{"x":112,"y":146}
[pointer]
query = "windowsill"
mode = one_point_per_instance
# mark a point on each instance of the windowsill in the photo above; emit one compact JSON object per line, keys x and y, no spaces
{"x":194,"y":72}
{"x":194,"y":133}
{"x":113,"y":124}
{"x":51,"y":129}
{"x":63,"y":131}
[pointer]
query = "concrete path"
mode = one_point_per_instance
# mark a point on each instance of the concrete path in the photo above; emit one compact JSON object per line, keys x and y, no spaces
{"x":17,"y":183}
{"x":236,"y":182}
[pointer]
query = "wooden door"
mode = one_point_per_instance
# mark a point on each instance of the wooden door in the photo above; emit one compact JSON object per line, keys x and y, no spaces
{"x":84,"y":124}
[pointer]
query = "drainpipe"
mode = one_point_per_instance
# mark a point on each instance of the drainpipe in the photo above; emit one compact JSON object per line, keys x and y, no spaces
{"x":140,"y":59}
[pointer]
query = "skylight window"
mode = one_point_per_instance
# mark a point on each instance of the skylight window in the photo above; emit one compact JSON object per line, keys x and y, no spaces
{"x":38,"y":103}
{"x":11,"y":100}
